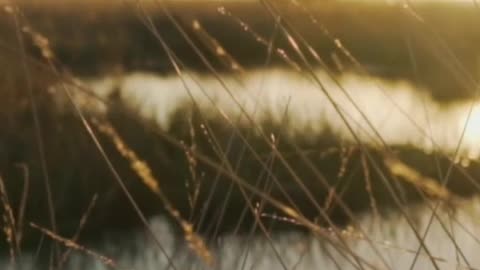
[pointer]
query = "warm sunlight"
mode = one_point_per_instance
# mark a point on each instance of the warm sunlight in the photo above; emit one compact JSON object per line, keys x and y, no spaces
{"x":472,"y":130}
{"x":239,"y":134}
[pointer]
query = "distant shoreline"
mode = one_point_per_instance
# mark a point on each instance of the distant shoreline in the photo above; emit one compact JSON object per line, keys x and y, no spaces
{"x":91,"y":41}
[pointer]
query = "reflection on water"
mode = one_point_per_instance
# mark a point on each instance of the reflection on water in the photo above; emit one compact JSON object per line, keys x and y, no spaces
{"x":351,"y":107}
{"x":379,"y":243}
{"x":376,"y":110}
{"x":393,"y":112}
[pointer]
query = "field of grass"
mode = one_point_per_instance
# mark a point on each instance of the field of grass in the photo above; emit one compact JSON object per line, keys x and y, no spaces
{"x":70,"y":170}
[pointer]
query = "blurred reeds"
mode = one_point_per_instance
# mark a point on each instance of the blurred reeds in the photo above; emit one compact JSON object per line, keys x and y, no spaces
{"x":89,"y":42}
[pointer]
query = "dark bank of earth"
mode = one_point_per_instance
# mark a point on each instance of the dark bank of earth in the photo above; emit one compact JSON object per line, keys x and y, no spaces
{"x":77,"y":172}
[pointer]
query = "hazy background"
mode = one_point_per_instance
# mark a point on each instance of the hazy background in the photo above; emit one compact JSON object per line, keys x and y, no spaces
{"x":424,"y":56}
{"x":433,"y":44}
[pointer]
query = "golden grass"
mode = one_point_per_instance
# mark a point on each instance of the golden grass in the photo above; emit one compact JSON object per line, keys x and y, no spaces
{"x":74,"y":246}
{"x":427,"y":185}
{"x":139,"y":166}
{"x":9,"y":227}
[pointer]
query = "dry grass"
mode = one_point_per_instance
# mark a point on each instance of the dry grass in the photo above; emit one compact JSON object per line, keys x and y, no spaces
{"x":194,"y":241}
{"x":207,"y":150}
